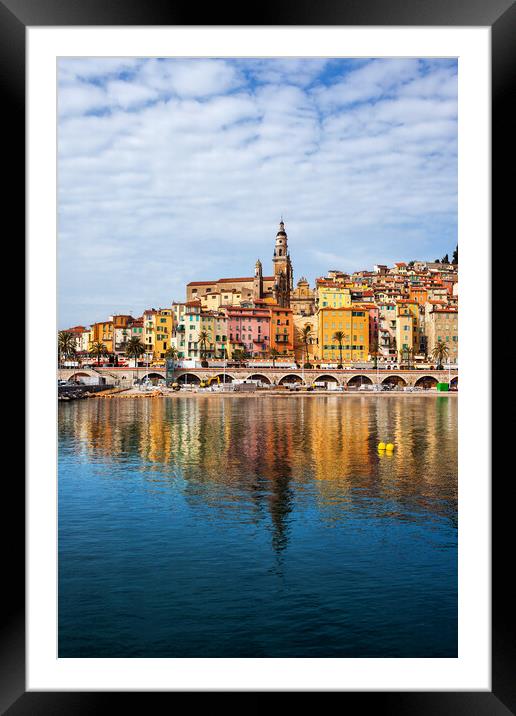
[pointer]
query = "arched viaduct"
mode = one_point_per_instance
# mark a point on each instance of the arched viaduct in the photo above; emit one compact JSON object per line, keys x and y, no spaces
{"x":269,"y":376}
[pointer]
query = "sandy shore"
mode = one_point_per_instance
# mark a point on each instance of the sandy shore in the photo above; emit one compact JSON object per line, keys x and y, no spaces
{"x":168,"y":393}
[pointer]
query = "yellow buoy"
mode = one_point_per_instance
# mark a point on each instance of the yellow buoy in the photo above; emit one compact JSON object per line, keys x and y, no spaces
{"x":381,"y":446}
{"x":389,"y":446}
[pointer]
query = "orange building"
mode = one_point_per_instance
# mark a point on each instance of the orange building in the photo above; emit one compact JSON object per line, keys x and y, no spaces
{"x":419,"y":294}
{"x":102,"y":333}
{"x":282,"y":328}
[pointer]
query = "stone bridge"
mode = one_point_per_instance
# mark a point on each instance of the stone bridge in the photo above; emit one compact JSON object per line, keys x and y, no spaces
{"x":268,"y":376}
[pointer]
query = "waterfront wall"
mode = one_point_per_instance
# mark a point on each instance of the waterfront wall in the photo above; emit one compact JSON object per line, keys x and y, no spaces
{"x":124,"y":377}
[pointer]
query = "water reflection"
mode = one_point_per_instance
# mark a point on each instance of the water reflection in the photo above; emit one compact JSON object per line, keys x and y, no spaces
{"x":261,"y":456}
{"x":258,"y":527}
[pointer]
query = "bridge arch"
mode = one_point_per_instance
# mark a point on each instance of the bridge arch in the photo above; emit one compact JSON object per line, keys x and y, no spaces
{"x":426,"y":382}
{"x":395,"y":380}
{"x":358,"y":380}
{"x":454,"y":382}
{"x":325,"y":378}
{"x":188,"y":379}
{"x":289,"y":378}
{"x":153,"y":377}
{"x":260,"y":377}
{"x":75,"y":377}
{"x":227,"y":378}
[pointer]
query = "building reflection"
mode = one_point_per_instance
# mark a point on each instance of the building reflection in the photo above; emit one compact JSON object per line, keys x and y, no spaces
{"x":264,"y":455}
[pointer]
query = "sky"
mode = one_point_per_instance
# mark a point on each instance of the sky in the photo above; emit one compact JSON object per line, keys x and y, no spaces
{"x":178,"y":170}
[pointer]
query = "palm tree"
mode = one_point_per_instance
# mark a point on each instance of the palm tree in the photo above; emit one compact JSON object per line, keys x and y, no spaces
{"x":375,"y":352}
{"x":66,"y":345}
{"x":98,"y":350}
{"x":339,"y":336}
{"x":274,"y":354}
{"x":171,"y":353}
{"x":404,"y":356}
{"x":238,"y":355}
{"x":134,"y":348}
{"x":203,"y":339}
{"x":410,"y":357}
{"x":305,"y":334}
{"x":440,"y":353}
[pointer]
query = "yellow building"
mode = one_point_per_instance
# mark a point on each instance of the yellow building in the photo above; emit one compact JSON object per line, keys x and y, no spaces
{"x":214,"y":301}
{"x":215,"y":325}
{"x":157,"y":327}
{"x":102,"y":332}
{"x":332,"y":295}
{"x":354,"y":324}
{"x":407,"y":328}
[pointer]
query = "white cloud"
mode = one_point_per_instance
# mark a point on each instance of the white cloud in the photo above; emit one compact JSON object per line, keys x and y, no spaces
{"x":127,"y":94}
{"x":184,"y":173}
{"x":375,"y":79}
{"x":81,"y":98}
{"x":191,"y":78}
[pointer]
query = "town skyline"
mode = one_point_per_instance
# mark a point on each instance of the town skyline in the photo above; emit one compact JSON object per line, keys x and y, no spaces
{"x":184,"y":292}
{"x":407,"y":311}
{"x":173,"y":170}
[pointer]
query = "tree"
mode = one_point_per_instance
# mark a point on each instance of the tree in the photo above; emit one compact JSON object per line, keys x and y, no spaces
{"x":98,"y":350}
{"x":405,"y":355}
{"x":134,"y":348}
{"x":437,"y":261}
{"x":305,"y":334}
{"x":240,"y":354}
{"x":445,"y":259}
{"x":66,"y":345}
{"x":455,"y":257}
{"x":274,"y":354}
{"x":374,"y":351}
{"x":440,"y":353}
{"x":410,"y":357}
{"x":171,"y":353}
{"x":339,"y":336}
{"x":203,"y":340}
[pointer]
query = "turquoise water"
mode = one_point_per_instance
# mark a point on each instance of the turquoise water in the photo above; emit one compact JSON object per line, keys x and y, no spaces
{"x":258,"y":527}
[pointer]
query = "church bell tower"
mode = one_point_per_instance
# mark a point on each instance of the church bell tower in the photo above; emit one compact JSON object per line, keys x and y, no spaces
{"x":258,"y":280}
{"x":282,"y":268}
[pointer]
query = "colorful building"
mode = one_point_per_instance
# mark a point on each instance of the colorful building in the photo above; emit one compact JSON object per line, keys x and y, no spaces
{"x":214,"y":327}
{"x":353,"y":322}
{"x":157,"y":333}
{"x":300,"y":346}
{"x":121,"y":331}
{"x":102,"y":332}
{"x":330,"y":294}
{"x":281,"y":329}
{"x":249,"y":329}
{"x":407,"y":329}
{"x":441,"y":324}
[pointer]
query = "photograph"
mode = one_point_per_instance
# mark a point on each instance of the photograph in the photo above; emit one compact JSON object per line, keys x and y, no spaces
{"x":257,"y":357}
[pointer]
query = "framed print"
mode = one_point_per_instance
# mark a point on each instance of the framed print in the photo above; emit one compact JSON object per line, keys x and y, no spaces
{"x":244,"y":237}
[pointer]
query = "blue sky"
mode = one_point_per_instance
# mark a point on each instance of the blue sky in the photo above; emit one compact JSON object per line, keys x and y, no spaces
{"x":174,"y":170}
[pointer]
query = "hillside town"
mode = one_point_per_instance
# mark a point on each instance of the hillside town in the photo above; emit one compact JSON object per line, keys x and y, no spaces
{"x":406,"y":314}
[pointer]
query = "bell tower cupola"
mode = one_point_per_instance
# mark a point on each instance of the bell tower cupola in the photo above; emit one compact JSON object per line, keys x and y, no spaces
{"x":282,"y":268}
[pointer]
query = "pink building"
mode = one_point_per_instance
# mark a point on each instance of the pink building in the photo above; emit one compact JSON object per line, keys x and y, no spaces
{"x":248,"y":329}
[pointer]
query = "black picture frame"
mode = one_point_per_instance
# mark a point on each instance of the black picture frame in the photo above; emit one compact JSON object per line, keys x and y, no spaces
{"x":15,"y":17}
